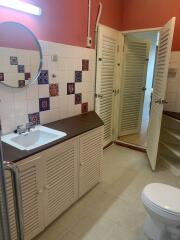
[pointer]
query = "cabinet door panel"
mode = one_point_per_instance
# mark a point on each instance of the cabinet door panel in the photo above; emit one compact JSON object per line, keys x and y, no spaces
{"x":91,"y":153}
{"x":31,"y":198}
{"x":30,"y":172}
{"x":61,"y":179}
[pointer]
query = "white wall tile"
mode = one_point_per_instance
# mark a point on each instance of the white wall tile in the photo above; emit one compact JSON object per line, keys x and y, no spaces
{"x":43,"y":90}
{"x":18,"y":103}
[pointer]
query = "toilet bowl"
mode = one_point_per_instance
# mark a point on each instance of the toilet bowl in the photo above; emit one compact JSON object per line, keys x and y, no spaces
{"x":162,"y":203}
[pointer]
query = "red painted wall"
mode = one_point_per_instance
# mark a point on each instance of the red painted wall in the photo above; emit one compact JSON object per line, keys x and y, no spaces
{"x":65,"y":21}
{"x":151,"y":13}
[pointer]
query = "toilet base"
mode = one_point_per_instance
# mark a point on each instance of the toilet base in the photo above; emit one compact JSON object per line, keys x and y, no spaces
{"x":155,"y":230}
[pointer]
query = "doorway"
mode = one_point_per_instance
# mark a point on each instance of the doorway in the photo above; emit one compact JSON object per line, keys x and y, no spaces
{"x":139,"y":136}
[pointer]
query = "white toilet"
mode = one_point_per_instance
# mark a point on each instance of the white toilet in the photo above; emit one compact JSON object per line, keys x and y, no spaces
{"x":162,"y":203}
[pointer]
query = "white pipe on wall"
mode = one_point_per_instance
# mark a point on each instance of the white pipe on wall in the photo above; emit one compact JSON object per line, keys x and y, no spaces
{"x":97,"y":22}
{"x":99,"y":16}
{"x":89,"y":38}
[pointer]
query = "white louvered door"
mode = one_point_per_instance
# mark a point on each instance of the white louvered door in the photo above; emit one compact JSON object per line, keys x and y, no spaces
{"x":136,"y":53}
{"x":90,"y":160}
{"x":106,"y":76}
{"x":60,"y":186}
{"x":159,"y":90}
{"x":30,"y":173}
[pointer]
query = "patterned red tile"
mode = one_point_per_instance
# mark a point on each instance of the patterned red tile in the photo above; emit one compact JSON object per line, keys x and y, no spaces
{"x":27,"y":76}
{"x":21,"y":83}
{"x":84,"y":107}
{"x":85,"y":65}
{"x":54,"y":89}
{"x":1,"y":77}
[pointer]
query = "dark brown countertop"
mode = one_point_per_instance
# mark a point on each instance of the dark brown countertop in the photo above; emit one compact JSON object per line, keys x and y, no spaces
{"x":73,"y":126}
{"x":175,"y":115}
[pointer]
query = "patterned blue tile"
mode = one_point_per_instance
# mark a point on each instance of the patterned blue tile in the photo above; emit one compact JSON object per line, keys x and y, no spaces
{"x":44,"y":104}
{"x":34,"y":118}
{"x":13,"y":60}
{"x":78,"y":76}
{"x":21,"y":69}
{"x":70,"y":88}
{"x":78,"y":98}
{"x":43,"y":77}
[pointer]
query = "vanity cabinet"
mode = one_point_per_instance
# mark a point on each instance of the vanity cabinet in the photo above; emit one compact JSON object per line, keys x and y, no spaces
{"x":54,"y":179}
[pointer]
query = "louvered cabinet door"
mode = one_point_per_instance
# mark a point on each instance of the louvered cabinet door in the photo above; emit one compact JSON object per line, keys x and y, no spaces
{"x":31,"y":198}
{"x":60,"y":178}
{"x":136,"y":53}
{"x":11,"y":206}
{"x":106,"y":77}
{"x":90,"y":160}
{"x":159,"y":90}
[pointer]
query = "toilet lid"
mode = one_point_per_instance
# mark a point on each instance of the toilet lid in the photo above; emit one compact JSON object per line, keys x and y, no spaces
{"x":163,"y":196}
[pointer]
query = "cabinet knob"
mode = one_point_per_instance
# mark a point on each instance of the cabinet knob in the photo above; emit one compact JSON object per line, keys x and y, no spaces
{"x":47,"y":187}
{"x":39,"y":192}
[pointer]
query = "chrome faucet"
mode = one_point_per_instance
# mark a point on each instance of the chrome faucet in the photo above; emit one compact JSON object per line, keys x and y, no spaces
{"x":20,"y":129}
{"x":29,"y":126}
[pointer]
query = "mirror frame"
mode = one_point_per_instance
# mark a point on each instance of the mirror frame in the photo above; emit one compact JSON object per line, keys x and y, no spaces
{"x":40,"y":53}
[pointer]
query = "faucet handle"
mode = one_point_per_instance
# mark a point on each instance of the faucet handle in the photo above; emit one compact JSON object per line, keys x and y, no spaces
{"x":19,"y":126}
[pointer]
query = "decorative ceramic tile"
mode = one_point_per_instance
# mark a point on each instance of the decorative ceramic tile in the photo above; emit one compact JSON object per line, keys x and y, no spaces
{"x":85,"y":65}
{"x":1,"y":77}
{"x":70,"y":88}
{"x":54,"y":89}
{"x":43,"y":77}
{"x":78,"y":98}
{"x":21,"y":83}
{"x":34,"y":118}
{"x":78,"y":76}
{"x":44,"y":104}
{"x":27,"y":76}
{"x":13,"y":60}
{"x":21,"y":69}
{"x":84,"y":107}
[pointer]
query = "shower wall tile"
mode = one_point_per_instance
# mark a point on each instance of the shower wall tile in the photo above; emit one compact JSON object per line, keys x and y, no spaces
{"x":18,"y":104}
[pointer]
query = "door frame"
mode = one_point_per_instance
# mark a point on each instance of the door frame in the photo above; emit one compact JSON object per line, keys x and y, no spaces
{"x":118,"y":72}
{"x":121,"y":68}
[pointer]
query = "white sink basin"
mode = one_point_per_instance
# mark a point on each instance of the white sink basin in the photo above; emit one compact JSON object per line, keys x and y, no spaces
{"x":37,"y":137}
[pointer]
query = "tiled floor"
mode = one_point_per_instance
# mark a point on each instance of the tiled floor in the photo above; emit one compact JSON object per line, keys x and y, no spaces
{"x":138,"y":138}
{"x":113,"y":210}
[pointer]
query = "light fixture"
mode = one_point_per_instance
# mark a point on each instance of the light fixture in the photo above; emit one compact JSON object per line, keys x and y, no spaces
{"x":21,"y":6}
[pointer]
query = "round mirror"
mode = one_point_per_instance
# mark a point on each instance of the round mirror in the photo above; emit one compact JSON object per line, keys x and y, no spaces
{"x":20,"y":55}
